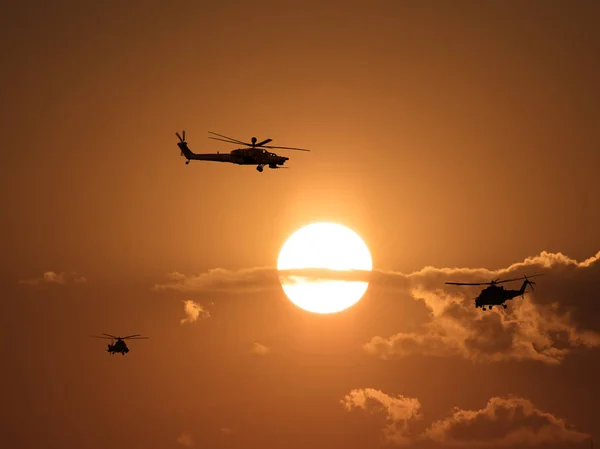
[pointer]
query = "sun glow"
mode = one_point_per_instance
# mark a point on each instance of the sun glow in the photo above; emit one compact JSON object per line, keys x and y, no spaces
{"x":326,"y":246}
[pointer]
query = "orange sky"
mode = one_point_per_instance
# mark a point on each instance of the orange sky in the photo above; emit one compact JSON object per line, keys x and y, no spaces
{"x":447,"y":134}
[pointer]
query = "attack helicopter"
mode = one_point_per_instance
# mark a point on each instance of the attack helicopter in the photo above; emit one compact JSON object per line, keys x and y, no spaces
{"x":496,"y":295}
{"x":119,"y":346}
{"x":254,"y":154}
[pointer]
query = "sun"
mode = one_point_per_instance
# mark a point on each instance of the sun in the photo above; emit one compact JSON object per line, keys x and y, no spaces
{"x":326,"y":246}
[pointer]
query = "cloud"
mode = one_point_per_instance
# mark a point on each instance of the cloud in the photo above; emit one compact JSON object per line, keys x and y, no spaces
{"x":218,"y":279}
{"x":261,"y":278}
{"x":226,"y":430}
{"x":252,"y":279}
{"x":503,"y":421}
{"x":399,"y":411}
{"x":51,"y":277}
{"x":259,"y":349}
{"x":546,"y":326}
{"x":185,"y":439}
{"x":193,"y":312}
{"x":541,"y":327}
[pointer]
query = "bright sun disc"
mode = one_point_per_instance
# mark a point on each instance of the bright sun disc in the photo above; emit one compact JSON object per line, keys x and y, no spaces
{"x":324,"y":246}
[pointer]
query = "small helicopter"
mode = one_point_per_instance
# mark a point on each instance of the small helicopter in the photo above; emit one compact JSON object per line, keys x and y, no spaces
{"x":119,"y":345}
{"x":256,"y":154}
{"x":496,"y":295}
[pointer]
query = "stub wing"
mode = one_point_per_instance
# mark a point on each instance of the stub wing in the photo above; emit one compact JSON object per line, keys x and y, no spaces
{"x":211,"y":157}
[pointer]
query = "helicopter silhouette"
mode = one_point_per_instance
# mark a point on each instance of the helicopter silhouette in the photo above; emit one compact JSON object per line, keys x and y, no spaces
{"x":119,"y":346}
{"x":496,"y":295}
{"x":255,"y":154}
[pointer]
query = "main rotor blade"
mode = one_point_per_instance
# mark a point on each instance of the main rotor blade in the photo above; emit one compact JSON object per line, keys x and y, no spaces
{"x":135,"y":338}
{"x":228,"y":141}
{"x":467,"y":283}
{"x":111,"y":336}
{"x":129,"y":336}
{"x":106,"y":338}
{"x":286,"y":148}
{"x":518,"y":279}
{"x":494,"y":282}
{"x":260,"y":144}
{"x":233,"y":140}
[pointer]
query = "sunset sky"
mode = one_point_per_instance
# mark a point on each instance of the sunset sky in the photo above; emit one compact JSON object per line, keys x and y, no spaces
{"x":459,"y":139}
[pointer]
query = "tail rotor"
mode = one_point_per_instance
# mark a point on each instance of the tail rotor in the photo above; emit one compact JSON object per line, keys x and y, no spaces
{"x":530,"y":283}
{"x":181,"y":138}
{"x":527,"y":282}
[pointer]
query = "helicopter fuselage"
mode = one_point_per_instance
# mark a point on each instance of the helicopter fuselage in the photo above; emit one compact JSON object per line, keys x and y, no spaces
{"x":118,"y":347}
{"x":241,"y":156}
{"x":496,"y":295}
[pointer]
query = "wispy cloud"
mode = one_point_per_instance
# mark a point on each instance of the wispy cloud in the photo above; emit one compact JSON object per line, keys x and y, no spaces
{"x":261,"y":278}
{"x":255,"y":279}
{"x":259,"y":349}
{"x":193,"y":312}
{"x":51,"y":277}
{"x":504,"y":421}
{"x":185,"y":439}
{"x":219,"y":279}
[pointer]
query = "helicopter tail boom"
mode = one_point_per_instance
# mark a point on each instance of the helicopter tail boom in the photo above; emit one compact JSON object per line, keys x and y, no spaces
{"x":185,"y":151}
{"x":190,"y":155}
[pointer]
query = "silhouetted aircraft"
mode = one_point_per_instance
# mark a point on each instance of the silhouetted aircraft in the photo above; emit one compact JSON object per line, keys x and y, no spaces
{"x":496,"y":295}
{"x":119,"y":345}
{"x":255,"y":154}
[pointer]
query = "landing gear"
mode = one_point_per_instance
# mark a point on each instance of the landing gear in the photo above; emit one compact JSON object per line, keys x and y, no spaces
{"x":504,"y":305}
{"x":483,"y":308}
{"x":260,"y":168}
{"x":187,"y":162}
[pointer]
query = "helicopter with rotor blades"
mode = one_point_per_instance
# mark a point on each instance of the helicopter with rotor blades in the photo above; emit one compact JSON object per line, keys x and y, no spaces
{"x":497,"y":295}
{"x":119,"y":346}
{"x":255,"y":153}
